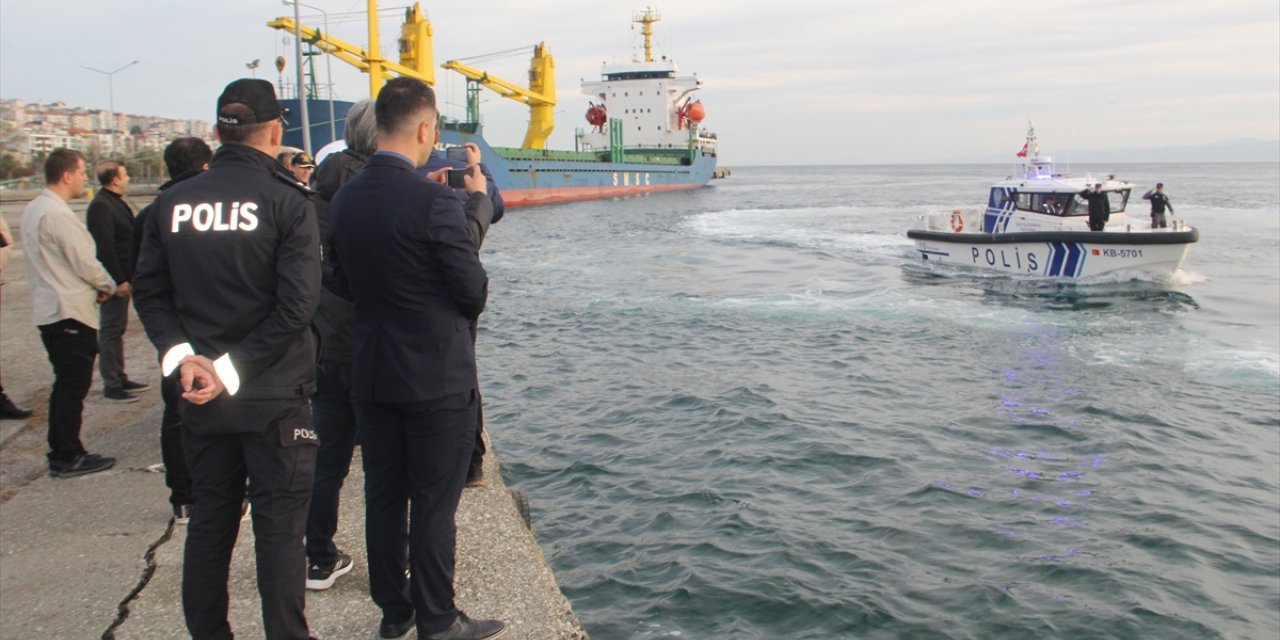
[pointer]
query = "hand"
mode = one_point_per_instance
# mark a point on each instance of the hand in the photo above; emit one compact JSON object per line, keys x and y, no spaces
{"x":103,"y":296}
{"x":199,"y":380}
{"x":439,"y":175}
{"x":473,"y":153}
{"x":124,"y":290}
{"x":474,"y":181}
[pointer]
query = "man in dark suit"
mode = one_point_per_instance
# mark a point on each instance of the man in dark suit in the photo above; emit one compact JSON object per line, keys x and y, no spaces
{"x":401,"y":251}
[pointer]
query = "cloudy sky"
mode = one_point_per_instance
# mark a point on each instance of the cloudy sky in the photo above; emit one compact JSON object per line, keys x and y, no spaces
{"x":808,"y":82}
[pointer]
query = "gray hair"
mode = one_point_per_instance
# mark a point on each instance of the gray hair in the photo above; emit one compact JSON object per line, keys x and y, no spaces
{"x":362,"y":128}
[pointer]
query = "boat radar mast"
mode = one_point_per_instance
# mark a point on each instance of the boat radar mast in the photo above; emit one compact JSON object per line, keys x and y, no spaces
{"x":1036,"y":164}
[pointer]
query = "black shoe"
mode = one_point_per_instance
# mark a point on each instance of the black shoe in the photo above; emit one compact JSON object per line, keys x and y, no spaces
{"x":181,"y":513}
{"x":82,"y":465}
{"x":320,"y":578}
{"x":464,"y":628}
{"x":388,"y":631}
{"x":475,"y":480}
{"x":12,"y":411}
{"x":133,"y":385}
{"x":119,"y":396}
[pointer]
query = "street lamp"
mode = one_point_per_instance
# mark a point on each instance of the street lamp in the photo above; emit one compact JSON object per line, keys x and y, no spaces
{"x":111,"y":99}
{"x":302,"y":96}
{"x":328,"y":63}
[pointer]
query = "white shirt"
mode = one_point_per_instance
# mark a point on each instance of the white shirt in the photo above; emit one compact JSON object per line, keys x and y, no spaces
{"x":62,"y":263}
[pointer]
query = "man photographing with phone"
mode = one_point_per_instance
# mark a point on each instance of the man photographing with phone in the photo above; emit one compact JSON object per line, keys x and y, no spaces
{"x":458,"y":160}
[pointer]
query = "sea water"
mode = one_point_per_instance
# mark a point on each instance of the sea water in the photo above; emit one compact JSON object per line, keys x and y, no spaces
{"x":751,"y":411}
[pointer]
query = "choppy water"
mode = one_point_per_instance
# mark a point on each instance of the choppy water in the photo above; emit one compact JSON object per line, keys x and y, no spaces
{"x":750,"y":412}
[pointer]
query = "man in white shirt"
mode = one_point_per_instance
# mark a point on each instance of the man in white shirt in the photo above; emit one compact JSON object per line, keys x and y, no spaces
{"x":67,"y":285}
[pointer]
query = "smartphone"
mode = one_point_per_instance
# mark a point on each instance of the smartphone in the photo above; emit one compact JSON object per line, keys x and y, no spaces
{"x":455,"y":180}
{"x":458,"y":154}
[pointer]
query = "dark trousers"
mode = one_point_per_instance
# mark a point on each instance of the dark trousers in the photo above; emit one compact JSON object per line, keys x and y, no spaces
{"x":335,"y":422}
{"x":176,"y":475}
{"x":1097,"y":223}
{"x":280,"y":479}
{"x":113,"y":319}
{"x":415,"y":460}
{"x":1158,"y":221}
{"x":71,"y":346}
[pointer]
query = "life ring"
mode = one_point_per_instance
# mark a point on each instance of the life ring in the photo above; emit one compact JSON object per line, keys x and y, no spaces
{"x":957,"y":221}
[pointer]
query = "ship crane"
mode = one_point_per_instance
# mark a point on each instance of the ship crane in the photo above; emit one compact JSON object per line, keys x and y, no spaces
{"x":540,"y":97}
{"x":417,"y":61}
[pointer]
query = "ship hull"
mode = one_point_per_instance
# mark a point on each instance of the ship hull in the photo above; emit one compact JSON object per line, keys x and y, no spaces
{"x":534,"y":177}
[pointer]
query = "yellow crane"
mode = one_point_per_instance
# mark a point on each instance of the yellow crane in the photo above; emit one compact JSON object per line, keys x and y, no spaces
{"x":418,"y":61}
{"x":540,"y":97}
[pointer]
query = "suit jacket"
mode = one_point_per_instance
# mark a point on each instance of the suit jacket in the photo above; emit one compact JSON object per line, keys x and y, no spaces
{"x":401,"y":250}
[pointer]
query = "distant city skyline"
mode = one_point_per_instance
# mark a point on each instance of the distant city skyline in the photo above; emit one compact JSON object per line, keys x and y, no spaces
{"x":824,"y":82}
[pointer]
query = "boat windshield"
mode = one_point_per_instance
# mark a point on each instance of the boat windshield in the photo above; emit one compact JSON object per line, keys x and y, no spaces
{"x":1068,"y":203}
{"x":1118,"y":201}
{"x":1056,"y":204}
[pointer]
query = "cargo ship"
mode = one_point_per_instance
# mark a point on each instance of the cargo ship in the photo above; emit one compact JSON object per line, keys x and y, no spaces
{"x":644,"y":133}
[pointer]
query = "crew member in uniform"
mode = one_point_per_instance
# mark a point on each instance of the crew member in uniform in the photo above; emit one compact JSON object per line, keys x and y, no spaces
{"x":1159,"y":202}
{"x":1099,"y":207}
{"x":228,"y":280}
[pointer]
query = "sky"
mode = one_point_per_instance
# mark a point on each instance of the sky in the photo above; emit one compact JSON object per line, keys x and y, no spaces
{"x":813,"y":82}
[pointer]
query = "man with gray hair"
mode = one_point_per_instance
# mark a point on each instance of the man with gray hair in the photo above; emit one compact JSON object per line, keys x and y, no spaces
{"x":331,"y":404}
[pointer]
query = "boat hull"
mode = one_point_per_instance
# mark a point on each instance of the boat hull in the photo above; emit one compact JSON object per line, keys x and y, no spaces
{"x":1058,"y":254}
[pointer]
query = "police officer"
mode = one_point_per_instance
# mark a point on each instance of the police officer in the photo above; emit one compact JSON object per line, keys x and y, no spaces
{"x":228,"y":280}
{"x":1159,"y":202}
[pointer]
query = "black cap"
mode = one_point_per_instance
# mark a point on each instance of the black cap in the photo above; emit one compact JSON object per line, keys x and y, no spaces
{"x":1159,"y":185}
{"x":303,"y":159}
{"x":258,"y":95}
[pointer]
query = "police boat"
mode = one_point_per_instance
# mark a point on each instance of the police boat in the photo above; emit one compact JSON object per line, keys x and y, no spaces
{"x":1037,"y":225}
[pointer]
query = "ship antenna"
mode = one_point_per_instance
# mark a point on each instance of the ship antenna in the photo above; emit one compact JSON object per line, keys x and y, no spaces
{"x":646,"y":19}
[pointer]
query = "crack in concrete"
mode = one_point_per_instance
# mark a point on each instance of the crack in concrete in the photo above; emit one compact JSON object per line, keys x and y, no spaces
{"x":122,"y":609}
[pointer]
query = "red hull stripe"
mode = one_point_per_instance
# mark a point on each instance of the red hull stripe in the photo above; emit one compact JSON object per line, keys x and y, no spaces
{"x":530,"y":197}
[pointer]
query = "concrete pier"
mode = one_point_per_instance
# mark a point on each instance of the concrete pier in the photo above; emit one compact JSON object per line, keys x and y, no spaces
{"x":98,"y":556}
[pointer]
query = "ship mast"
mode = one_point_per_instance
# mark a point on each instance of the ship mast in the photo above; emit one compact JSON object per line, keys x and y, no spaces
{"x":646,"y":19}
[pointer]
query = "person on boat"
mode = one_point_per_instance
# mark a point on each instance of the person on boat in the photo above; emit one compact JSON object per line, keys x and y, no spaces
{"x":1159,"y":202}
{"x":1050,"y":206}
{"x":1099,"y":207}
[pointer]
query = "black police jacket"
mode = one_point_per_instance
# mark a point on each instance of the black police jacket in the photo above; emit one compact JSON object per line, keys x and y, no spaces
{"x":230,"y":265}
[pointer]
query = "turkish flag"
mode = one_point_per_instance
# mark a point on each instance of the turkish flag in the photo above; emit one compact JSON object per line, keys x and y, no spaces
{"x":1023,"y":153}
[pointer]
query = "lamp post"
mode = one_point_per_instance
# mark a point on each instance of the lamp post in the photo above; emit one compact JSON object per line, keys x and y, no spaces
{"x":111,"y":99}
{"x":302,"y":96}
{"x":328,"y":64}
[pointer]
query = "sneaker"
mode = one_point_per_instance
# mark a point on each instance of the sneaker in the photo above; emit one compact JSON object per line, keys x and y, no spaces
{"x":119,"y":396}
{"x":320,"y":578}
{"x":181,"y":513}
{"x":464,"y":628}
{"x":388,"y":631}
{"x":82,"y":465}
{"x":133,"y":385}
